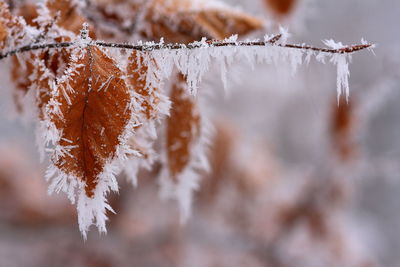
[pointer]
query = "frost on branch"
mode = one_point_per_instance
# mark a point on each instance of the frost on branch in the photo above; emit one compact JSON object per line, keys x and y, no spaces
{"x":193,"y":60}
{"x":342,"y":65}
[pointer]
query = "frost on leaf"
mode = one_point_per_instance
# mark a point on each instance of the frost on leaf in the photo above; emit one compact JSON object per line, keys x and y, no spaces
{"x":5,"y":17}
{"x":137,"y":71}
{"x":185,"y":144}
{"x":7,"y":23}
{"x":12,"y":29}
{"x":90,"y":110}
{"x":22,"y":66}
{"x":144,"y":81}
{"x":47,"y":67}
{"x":35,"y":71}
{"x":182,"y":129}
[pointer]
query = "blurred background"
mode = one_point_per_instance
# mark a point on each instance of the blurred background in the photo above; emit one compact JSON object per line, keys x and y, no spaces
{"x":295,"y":179}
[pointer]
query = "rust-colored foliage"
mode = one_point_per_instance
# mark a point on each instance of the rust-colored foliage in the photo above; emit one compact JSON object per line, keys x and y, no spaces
{"x":223,"y":24}
{"x":22,"y":75}
{"x":182,"y":21}
{"x":93,"y":113}
{"x":29,"y":12}
{"x":5,"y":23}
{"x":10,"y":27}
{"x":67,"y":15}
{"x":4,"y":16}
{"x":183,"y":127}
{"x":3,"y":33}
{"x":342,"y":123}
{"x":281,"y":7}
{"x":50,"y":63}
{"x":193,"y":25}
{"x":136,"y":71}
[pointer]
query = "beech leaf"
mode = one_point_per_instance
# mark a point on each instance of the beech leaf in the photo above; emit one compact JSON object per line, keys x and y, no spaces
{"x":92,"y":113}
{"x":183,"y":128}
{"x":92,"y":117}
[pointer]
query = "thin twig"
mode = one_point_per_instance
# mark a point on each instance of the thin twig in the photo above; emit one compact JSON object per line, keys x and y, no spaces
{"x":170,"y":46}
{"x":33,"y":47}
{"x":46,"y":29}
{"x":275,"y":39}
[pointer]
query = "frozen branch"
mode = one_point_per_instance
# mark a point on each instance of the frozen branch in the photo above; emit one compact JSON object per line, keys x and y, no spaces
{"x":151,"y":46}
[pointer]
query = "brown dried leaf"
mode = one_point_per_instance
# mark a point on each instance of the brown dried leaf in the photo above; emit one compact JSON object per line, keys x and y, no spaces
{"x":5,"y":16}
{"x":93,"y":113}
{"x":29,"y":73}
{"x":8,"y":24}
{"x":3,"y":33}
{"x":342,"y":124}
{"x":36,"y":73}
{"x":180,"y":21}
{"x":69,"y":17}
{"x":152,"y":104}
{"x":21,"y":70}
{"x":183,"y":128}
{"x":29,"y":12}
{"x":20,"y":75}
{"x":183,"y":22}
{"x":46,"y":73}
{"x":137,"y":72}
{"x":281,"y":7}
{"x":220,"y":24}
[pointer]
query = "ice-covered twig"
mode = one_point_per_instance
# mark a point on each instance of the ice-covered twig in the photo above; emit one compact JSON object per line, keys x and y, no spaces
{"x":151,"y":46}
{"x":33,"y":47}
